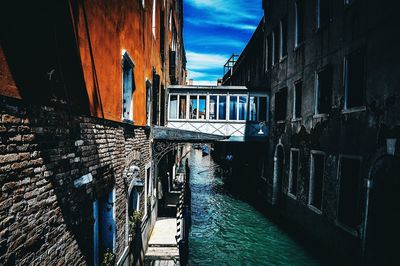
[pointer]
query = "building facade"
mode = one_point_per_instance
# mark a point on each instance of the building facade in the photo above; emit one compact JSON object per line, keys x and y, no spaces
{"x":81,"y":86}
{"x":331,"y":68}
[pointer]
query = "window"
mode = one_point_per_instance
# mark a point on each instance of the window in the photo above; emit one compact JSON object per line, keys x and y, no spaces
{"x":173,"y":106}
{"x":222,"y":108}
{"x":258,"y":108}
{"x":202,"y":107}
{"x":280,"y":105}
{"x":270,"y":52}
{"x":104,"y":227}
{"x":182,"y":107}
{"x":233,"y":107}
{"x":193,"y":107}
{"x":127,"y":86}
{"x":153,"y":21}
{"x":170,"y":20}
{"x":213,"y":107}
{"x":283,"y":38}
{"x":148,"y":102}
{"x":242,"y":107}
{"x":322,"y":13}
{"x":294,"y":171}
{"x":323,"y":91}
{"x":266,"y":53}
{"x":316,"y":180}
{"x":277,"y":45}
{"x":349,"y":213}
{"x":298,"y":27}
{"x":156,"y":99}
{"x":253,"y":106}
{"x":354,"y":80}
{"x":297,"y":99}
{"x":149,"y":185}
{"x":162,"y":36}
{"x":273,"y":47}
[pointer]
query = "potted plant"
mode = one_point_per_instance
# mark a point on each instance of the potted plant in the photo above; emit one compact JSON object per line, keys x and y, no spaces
{"x":134,"y":223}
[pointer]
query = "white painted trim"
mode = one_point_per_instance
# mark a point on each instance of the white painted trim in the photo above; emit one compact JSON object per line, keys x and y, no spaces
{"x":147,"y":179}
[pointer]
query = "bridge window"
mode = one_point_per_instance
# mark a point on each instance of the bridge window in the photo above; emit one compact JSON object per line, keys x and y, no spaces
{"x":213,"y":107}
{"x":242,"y":107}
{"x":193,"y":107}
{"x":233,"y":107}
{"x":258,"y":108}
{"x":182,"y":107}
{"x":221,"y":107}
{"x":173,"y":107}
{"x":202,"y":107}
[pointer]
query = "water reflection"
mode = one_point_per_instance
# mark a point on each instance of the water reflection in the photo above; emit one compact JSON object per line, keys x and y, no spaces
{"x":229,"y":231}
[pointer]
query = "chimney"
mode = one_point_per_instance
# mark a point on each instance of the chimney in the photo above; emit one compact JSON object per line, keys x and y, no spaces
{"x":190,"y":82}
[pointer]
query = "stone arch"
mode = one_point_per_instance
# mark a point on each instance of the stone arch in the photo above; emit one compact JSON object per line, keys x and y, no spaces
{"x":382,"y":218}
{"x":132,"y":181}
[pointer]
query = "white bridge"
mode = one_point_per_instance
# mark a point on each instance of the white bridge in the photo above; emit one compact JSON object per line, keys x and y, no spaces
{"x":233,"y":112}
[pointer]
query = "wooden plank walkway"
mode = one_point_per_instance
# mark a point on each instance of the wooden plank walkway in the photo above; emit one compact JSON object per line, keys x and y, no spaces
{"x":162,"y":249}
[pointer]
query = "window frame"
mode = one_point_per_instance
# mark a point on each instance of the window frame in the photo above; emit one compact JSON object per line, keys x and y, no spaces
{"x":297,"y":40}
{"x":362,"y":107}
{"x":153,"y":19}
{"x":258,"y":96}
{"x":311,"y":182}
{"x":317,"y":89}
{"x":295,"y":103}
{"x":147,"y":188}
{"x":128,"y":59}
{"x":283,"y":39}
{"x":179,"y":95}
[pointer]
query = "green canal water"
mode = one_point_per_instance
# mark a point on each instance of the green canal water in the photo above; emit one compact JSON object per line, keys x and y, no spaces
{"x":228,"y":231}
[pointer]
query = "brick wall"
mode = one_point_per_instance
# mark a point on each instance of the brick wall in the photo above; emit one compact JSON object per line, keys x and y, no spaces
{"x":44,"y":219}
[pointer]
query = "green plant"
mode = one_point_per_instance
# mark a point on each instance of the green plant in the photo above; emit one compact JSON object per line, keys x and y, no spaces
{"x":108,"y":259}
{"x":135,"y":219}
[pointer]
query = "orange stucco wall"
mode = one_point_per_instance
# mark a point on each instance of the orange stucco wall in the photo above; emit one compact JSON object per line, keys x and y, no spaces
{"x":100,"y":31}
{"x":7,"y":83}
{"x":111,"y":27}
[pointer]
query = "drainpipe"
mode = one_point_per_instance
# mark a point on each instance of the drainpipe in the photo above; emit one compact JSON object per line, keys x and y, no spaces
{"x":274,"y":199}
{"x":369,"y":184}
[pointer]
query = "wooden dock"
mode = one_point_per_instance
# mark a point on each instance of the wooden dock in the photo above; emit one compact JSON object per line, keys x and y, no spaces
{"x":163,"y":249}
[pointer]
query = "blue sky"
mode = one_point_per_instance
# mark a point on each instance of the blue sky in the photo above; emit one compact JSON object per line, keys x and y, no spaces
{"x":213,"y":30}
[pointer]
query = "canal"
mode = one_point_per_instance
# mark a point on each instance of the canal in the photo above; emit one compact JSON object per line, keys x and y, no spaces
{"x":228,"y":231}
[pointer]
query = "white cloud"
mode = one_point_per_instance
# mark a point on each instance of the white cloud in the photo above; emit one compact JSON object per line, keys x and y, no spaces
{"x":202,"y":61}
{"x":205,"y":82}
{"x":234,"y":14}
{"x":239,"y":26}
{"x":216,"y":41}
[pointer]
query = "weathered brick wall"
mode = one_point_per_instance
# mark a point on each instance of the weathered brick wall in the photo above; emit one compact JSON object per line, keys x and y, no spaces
{"x":44,"y":219}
